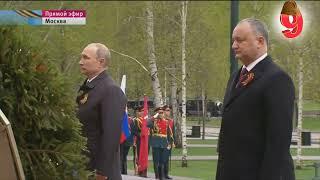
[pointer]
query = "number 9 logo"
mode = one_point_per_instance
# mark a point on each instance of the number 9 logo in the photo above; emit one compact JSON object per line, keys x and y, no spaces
{"x":296,"y":25}
{"x":290,"y":8}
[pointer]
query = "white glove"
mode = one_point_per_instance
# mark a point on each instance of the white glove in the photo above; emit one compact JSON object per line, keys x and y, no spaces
{"x":156,"y":115}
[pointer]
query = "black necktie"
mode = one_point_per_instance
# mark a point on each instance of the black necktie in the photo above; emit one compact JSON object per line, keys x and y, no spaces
{"x":86,"y":86}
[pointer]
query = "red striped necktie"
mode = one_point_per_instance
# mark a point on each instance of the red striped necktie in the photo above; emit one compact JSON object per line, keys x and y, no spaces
{"x":242,"y":76}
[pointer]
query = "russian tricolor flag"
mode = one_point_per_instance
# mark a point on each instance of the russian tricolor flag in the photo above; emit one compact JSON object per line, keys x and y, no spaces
{"x":125,"y":124}
{"x":125,"y":128}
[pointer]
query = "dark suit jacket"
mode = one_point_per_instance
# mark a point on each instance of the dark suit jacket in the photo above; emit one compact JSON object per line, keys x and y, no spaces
{"x":256,"y":129}
{"x":101,"y":116}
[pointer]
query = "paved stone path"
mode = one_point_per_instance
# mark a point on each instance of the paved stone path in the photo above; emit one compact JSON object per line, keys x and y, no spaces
{"x":151,"y":176}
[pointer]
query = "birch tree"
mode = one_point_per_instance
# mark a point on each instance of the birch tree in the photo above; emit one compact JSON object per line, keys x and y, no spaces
{"x":152,"y":57}
{"x":300,"y":100}
{"x":183,"y":55}
{"x":175,"y":109}
{"x":300,"y":75}
{"x":300,"y":53}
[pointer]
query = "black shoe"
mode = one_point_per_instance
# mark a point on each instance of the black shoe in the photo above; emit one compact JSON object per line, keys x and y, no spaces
{"x":166,"y":171}
{"x":156,"y":173}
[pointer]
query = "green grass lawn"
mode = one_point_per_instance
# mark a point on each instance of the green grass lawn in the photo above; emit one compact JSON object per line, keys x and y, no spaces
{"x":193,"y":121}
{"x":311,"y":105}
{"x":308,"y":123}
{"x":196,"y":151}
{"x":209,"y":151}
{"x":311,"y":123}
{"x":200,"y":141}
{"x":307,"y":172}
{"x":206,"y":170}
{"x":306,"y":152}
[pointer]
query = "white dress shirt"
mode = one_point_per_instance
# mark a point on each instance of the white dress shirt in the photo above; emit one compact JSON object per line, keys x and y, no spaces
{"x":89,"y":80}
{"x":254,"y":63}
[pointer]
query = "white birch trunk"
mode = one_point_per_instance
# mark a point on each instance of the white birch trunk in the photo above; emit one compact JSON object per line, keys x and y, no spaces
{"x":183,"y":55}
{"x":165,"y":87}
{"x":204,"y":112}
{"x":175,"y":111}
{"x":152,"y":57}
{"x":300,"y":106}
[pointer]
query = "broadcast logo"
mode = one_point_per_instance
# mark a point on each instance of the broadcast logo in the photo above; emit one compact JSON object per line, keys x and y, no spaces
{"x":295,"y":24}
{"x":42,"y":17}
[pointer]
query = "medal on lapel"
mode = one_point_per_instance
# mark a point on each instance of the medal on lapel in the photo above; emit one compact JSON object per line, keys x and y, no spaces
{"x":248,"y":79}
{"x":82,"y":97}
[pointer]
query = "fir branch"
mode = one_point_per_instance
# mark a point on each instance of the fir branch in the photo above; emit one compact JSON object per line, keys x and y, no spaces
{"x":50,"y":152}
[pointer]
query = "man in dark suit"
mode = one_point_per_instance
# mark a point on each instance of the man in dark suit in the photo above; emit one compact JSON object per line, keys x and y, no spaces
{"x":101,"y":107}
{"x":256,"y":128}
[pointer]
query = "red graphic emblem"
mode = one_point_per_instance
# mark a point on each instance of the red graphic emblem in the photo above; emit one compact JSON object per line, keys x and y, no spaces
{"x":295,"y":26}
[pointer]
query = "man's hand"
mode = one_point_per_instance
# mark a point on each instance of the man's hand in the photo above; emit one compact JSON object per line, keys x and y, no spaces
{"x":101,"y":177}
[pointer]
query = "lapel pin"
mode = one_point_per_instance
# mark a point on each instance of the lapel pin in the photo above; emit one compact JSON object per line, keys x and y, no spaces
{"x":248,"y":79}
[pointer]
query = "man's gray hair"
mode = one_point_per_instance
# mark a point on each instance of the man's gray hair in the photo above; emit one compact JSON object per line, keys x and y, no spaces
{"x":102,"y":52}
{"x":259,"y":27}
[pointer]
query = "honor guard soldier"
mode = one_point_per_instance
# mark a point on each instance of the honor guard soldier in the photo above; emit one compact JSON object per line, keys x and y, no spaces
{"x":167,"y":115}
{"x":137,"y":123}
{"x":160,"y":141}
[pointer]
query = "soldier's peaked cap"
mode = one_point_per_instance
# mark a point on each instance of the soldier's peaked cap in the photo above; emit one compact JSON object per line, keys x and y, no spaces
{"x":166,"y":106}
{"x":138,"y":108}
{"x":158,"y":108}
